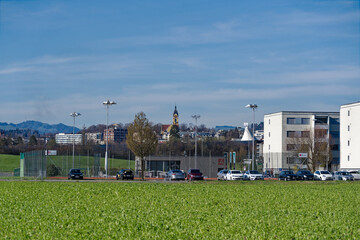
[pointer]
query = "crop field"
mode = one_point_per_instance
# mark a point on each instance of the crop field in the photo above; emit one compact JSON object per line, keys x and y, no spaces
{"x":206,"y":210}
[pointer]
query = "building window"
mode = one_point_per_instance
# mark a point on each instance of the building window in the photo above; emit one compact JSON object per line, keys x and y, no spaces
{"x":348,"y":128}
{"x":296,"y":134}
{"x":348,"y":142}
{"x":334,"y":134}
{"x":305,"y":134}
{"x":269,"y":121}
{"x":334,"y":147}
{"x":348,"y":157}
{"x":291,"y":134}
{"x":290,"y":147}
{"x":303,"y":121}
{"x":269,"y":134}
{"x":269,"y":146}
{"x":348,"y":112}
{"x":290,"y":120}
{"x":320,"y":133}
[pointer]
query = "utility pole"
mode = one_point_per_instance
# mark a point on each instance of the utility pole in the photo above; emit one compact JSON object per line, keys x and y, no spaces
{"x":74,"y":115}
{"x":107,"y":104}
{"x":196,"y":118}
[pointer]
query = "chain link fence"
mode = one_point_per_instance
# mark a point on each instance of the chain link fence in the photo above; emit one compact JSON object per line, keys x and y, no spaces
{"x":37,"y":164}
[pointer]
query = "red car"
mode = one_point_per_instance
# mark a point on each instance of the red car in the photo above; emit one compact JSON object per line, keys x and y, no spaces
{"x":194,"y":174}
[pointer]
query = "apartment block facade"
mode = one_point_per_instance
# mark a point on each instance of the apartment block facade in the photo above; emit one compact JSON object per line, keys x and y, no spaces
{"x":283,"y":129}
{"x":115,"y":134}
{"x":350,"y":136}
{"x":64,"y":138}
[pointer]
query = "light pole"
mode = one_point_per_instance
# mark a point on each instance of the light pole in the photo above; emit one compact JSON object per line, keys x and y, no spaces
{"x":254,"y":107}
{"x":107,"y":104}
{"x":196,"y":118}
{"x":74,"y":115}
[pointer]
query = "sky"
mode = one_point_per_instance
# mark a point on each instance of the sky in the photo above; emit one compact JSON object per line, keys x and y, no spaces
{"x":209,"y":58}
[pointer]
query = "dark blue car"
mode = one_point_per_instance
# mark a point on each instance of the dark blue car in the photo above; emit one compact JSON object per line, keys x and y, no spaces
{"x":75,"y":173}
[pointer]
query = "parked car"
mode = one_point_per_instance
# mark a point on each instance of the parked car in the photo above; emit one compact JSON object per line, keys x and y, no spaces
{"x":304,"y":175}
{"x":234,"y":175}
{"x":343,"y":175}
{"x":323,"y":175}
{"x":194,"y":174}
{"x":221,"y":175}
{"x":75,"y":173}
{"x":125,"y":174}
{"x":355,"y":174}
{"x":253,"y":175}
{"x":287,"y":175}
{"x":174,"y":175}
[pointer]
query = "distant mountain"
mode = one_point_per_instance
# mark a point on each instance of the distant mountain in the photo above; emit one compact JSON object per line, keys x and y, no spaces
{"x":39,"y":126}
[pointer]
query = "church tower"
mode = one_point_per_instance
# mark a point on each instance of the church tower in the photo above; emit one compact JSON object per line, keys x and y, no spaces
{"x":175,"y":117}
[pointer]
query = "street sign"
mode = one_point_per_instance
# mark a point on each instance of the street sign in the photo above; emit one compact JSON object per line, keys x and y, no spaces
{"x":247,"y":161}
{"x":221,"y":161}
{"x":303,"y":155}
{"x":50,"y":152}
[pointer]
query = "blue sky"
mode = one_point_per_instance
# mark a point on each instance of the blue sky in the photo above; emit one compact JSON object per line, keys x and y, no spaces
{"x":208,"y":57}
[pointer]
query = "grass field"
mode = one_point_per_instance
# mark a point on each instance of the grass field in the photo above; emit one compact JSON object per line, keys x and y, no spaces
{"x":207,"y":210}
{"x":9,"y":162}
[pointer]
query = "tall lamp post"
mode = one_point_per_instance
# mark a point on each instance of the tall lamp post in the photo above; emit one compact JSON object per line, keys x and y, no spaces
{"x":196,"y":118}
{"x":254,"y":107}
{"x":107,"y":104}
{"x":74,"y":115}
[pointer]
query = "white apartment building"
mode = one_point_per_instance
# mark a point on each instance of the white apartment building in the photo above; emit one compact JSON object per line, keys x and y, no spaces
{"x":350,"y":136}
{"x":93,"y":137}
{"x":64,"y":138}
{"x":280,"y":130}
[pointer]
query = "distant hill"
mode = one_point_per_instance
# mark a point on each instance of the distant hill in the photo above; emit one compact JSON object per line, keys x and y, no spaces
{"x":39,"y":126}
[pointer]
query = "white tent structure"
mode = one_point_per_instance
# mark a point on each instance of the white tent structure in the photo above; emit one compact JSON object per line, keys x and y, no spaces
{"x":247,"y":137}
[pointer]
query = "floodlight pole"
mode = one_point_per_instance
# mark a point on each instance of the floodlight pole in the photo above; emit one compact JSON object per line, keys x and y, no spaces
{"x":74,"y":115}
{"x":196,"y":118}
{"x":107,"y":104}
{"x":254,"y":107}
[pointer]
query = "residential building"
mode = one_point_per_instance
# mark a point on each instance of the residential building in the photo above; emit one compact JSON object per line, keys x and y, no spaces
{"x":285,"y":131}
{"x":93,"y":137}
{"x":64,"y":138}
{"x":350,"y":136}
{"x":115,"y":134}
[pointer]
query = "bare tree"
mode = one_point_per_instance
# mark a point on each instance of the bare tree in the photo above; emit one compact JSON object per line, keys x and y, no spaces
{"x":141,"y":139}
{"x":315,"y":143}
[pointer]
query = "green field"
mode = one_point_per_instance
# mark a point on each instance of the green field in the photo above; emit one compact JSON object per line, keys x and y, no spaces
{"x":9,"y":162}
{"x":207,"y":210}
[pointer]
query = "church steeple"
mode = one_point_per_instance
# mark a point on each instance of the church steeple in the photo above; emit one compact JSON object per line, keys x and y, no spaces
{"x":175,"y":117}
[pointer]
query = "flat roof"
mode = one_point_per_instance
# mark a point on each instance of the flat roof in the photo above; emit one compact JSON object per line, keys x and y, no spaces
{"x":302,"y":113}
{"x":350,"y":104}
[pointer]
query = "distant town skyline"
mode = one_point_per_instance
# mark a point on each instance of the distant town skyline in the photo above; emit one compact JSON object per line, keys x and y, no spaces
{"x":209,"y":58}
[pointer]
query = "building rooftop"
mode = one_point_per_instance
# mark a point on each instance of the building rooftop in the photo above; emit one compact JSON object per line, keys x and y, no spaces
{"x":302,"y":113}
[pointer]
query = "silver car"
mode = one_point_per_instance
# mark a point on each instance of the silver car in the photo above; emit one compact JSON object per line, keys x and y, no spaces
{"x":343,"y":175}
{"x":174,"y":175}
{"x":355,"y":174}
{"x":253,"y":175}
{"x":222,"y":174}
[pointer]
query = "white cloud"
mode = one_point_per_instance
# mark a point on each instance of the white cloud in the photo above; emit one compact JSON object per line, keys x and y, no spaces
{"x":15,"y":70}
